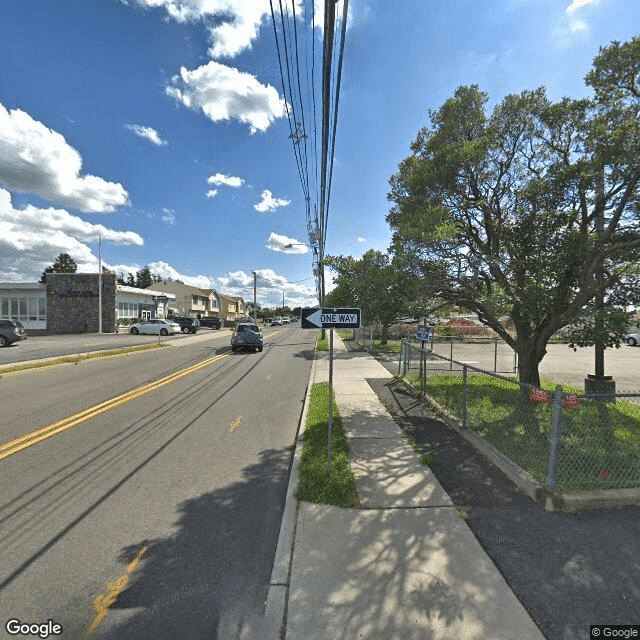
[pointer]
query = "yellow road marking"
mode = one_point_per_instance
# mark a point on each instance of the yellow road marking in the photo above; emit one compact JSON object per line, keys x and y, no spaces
{"x":13,"y":446}
{"x":268,"y":376}
{"x":235,"y":424}
{"x":101,"y":602}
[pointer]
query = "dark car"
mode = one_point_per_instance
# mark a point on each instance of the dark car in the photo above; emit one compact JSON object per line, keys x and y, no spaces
{"x":246,"y":335}
{"x":11,"y":331}
{"x":188,"y":325}
{"x":213,"y":322}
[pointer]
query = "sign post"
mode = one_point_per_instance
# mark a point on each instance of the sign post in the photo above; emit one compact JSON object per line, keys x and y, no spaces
{"x":329,"y":319}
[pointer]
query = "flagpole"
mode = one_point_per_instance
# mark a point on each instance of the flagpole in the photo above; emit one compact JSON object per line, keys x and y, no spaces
{"x":99,"y":283}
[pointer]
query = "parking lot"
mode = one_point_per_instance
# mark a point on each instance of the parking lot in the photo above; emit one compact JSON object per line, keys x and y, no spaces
{"x":560,"y":364}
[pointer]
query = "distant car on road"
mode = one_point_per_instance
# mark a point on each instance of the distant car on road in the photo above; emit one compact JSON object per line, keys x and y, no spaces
{"x":633,"y":339}
{"x":276,"y":322}
{"x":246,"y":335}
{"x":187,"y":325}
{"x":213,"y":322}
{"x":155,"y":327}
{"x":11,"y":331}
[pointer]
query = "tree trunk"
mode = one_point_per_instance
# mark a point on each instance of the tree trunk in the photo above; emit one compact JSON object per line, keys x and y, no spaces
{"x":384,"y":335}
{"x":528,"y":361}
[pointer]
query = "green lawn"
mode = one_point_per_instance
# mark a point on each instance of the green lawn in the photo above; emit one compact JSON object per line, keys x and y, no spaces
{"x":314,"y":483}
{"x":600,"y":441}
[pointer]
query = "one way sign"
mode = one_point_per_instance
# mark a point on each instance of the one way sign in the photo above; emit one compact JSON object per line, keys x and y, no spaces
{"x":326,"y":318}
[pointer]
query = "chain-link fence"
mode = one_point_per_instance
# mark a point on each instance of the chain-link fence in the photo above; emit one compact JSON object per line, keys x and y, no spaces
{"x":566,"y":441}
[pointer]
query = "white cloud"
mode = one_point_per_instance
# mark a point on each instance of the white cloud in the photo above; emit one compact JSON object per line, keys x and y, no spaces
{"x":35,"y":159}
{"x":269,"y":203}
{"x":578,"y":4}
{"x":229,"y":181}
{"x":270,"y":287}
{"x":212,"y":193}
{"x":32,"y":238}
{"x":169,"y":216}
{"x":361,"y":239}
{"x":235,"y":23}
{"x":280,"y":244}
{"x":224,"y":93}
{"x":148,"y":133}
{"x":165,"y":270}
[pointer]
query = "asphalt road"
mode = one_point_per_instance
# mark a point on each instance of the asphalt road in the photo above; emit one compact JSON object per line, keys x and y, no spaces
{"x":39,"y":347}
{"x":159,"y":516}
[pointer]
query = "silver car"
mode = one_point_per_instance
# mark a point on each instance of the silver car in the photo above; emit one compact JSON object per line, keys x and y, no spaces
{"x":633,"y":339}
{"x":246,"y":335}
{"x":155,"y":327}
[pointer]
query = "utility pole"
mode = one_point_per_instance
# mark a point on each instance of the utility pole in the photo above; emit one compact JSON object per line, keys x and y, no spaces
{"x":255,"y":308}
{"x":598,"y":382}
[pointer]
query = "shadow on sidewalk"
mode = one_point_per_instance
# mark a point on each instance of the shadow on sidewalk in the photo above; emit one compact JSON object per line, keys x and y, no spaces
{"x":568,"y":570}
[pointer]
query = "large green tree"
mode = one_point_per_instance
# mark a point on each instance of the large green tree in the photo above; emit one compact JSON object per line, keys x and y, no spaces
{"x":528,"y":213}
{"x":64,"y":263}
{"x":383,"y":286}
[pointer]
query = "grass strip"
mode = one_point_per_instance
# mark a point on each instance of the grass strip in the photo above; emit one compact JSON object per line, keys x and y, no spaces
{"x":314,"y":483}
{"x":74,"y":359}
{"x":323,"y":343}
{"x":600,"y":441}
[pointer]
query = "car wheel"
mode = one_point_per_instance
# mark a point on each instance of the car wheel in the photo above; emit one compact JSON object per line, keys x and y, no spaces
{"x":633,"y":342}
{"x":185,"y":330}
{"x":164,"y":332}
{"x":3,"y":341}
{"x":259,"y":349}
{"x":134,"y":330}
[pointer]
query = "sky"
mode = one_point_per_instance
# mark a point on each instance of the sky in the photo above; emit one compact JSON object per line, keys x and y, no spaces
{"x":161,"y":125}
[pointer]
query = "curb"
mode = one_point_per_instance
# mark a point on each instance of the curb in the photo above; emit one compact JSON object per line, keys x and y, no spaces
{"x":276,"y":604}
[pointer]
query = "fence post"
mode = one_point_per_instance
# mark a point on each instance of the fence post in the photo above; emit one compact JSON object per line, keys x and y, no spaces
{"x":401,"y":355}
{"x":464,"y":396}
{"x":451,"y":354}
{"x":495,"y":355}
{"x":554,"y":442}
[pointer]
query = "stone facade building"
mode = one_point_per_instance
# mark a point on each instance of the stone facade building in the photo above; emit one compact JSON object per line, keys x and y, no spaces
{"x":72,"y":302}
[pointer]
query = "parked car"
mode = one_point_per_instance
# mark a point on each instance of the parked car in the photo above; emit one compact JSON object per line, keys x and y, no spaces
{"x":187,"y":325}
{"x":213,"y":322}
{"x":11,"y":331}
{"x":156,"y":326}
{"x":276,"y":322}
{"x":246,"y":335}
{"x":633,"y":339}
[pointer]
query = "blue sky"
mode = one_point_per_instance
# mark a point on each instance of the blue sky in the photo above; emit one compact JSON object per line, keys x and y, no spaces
{"x":160,"y":124}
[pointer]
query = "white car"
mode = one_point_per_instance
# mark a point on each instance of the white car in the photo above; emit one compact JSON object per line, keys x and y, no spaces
{"x":633,"y":339}
{"x":155,"y":327}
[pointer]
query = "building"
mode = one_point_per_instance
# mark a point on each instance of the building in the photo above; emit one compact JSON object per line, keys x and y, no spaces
{"x":70,"y":303}
{"x":191,"y":301}
{"x":232,"y":308}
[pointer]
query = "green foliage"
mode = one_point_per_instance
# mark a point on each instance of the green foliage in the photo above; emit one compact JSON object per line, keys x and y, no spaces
{"x":528,"y":213}
{"x":314,"y":483}
{"x":144,"y":278}
{"x":383,"y":286}
{"x":64,"y":264}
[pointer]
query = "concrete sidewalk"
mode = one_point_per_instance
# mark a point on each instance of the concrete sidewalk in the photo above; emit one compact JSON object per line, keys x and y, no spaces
{"x":404,"y":565}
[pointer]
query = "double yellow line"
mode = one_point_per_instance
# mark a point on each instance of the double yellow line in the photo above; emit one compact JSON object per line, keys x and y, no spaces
{"x":9,"y":448}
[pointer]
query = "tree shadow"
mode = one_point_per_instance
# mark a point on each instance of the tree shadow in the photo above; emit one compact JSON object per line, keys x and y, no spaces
{"x":568,"y":570}
{"x":209,"y":579}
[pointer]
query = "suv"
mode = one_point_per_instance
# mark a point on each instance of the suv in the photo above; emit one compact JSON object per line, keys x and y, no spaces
{"x":11,"y":331}
{"x":187,"y":325}
{"x":246,"y":335}
{"x":213,"y":322}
